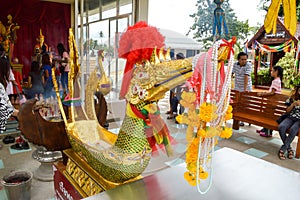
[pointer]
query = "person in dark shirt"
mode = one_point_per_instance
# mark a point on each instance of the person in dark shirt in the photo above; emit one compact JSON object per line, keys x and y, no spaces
{"x":291,"y":122}
{"x":35,"y":81}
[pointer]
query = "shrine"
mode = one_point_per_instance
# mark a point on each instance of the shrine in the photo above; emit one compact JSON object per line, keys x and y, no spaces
{"x":109,"y":127}
{"x":270,"y":47}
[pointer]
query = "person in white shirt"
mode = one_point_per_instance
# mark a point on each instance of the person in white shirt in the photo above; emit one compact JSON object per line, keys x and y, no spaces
{"x":242,"y":75}
{"x":6,"y":108}
{"x":64,"y":65}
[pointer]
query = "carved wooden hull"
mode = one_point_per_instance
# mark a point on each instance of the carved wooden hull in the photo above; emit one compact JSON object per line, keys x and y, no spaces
{"x":51,"y":135}
{"x":37,"y":130}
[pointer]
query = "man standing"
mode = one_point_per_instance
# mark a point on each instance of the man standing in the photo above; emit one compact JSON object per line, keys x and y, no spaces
{"x":242,"y":72}
{"x":175,"y":95}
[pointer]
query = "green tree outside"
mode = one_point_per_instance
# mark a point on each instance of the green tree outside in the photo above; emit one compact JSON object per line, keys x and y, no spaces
{"x":203,"y":24}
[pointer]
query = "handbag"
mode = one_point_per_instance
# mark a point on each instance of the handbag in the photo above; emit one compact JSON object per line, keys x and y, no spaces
{"x":22,"y":98}
{"x":282,"y":117}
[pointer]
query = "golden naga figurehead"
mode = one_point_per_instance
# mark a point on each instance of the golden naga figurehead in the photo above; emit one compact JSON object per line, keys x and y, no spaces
{"x":153,"y":78}
{"x":147,"y":76}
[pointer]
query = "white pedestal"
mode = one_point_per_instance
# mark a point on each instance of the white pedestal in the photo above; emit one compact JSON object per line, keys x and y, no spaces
{"x":46,"y":158}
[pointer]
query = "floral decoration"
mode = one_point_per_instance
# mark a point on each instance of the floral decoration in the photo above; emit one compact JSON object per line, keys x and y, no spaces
{"x":198,"y":119}
{"x":207,"y":112}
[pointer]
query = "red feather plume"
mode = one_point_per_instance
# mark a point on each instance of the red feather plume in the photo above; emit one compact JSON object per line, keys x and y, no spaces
{"x":136,"y":45}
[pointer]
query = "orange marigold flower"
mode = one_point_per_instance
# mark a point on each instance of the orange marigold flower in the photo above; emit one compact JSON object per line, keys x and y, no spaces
{"x":190,"y":178}
{"x":192,"y":167}
{"x":179,"y":119}
{"x":193,"y":118}
{"x":212,"y":132}
{"x":207,"y":112}
{"x":189,"y":97}
{"x":187,"y":176}
{"x":193,"y":182}
{"x":228,"y":116}
{"x":203,"y":174}
{"x":188,"y":105}
{"x":201,"y":133}
{"x":229,"y":109}
{"x":182,"y":119}
{"x":226,"y":132}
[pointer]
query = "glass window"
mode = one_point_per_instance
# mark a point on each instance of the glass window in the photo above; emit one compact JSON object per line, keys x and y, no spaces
{"x":125,"y":7}
{"x":109,"y":10}
{"x":109,"y":13}
{"x":190,"y":53}
{"x":102,"y":32}
{"x":84,"y":19}
{"x":94,"y":17}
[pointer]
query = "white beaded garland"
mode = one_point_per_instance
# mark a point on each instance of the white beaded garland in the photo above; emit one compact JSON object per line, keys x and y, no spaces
{"x":219,"y":96}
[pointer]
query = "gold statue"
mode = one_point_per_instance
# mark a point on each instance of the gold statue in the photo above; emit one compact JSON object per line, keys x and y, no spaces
{"x":2,"y":31}
{"x":8,"y":35}
{"x":11,"y":29}
{"x":41,"y":46}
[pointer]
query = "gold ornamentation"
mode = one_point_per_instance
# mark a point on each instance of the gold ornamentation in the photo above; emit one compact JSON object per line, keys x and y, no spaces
{"x":104,"y":83}
{"x":84,"y":184}
{"x":118,"y":158}
{"x":8,"y":35}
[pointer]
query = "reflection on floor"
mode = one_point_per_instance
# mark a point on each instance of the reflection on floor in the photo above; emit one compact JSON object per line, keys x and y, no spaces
{"x":245,"y":140}
{"x":255,"y":152}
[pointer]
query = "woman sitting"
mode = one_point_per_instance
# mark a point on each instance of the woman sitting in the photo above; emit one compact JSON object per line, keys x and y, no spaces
{"x":291,"y":122}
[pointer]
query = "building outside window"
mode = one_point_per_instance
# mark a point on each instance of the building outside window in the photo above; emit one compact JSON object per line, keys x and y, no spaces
{"x":99,"y":24}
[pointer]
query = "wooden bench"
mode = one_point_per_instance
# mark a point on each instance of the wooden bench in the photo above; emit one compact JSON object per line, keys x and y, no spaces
{"x":261,"y":111}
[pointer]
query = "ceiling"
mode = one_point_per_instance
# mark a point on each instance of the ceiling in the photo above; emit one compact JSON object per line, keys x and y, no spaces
{"x":92,"y":4}
{"x":61,"y":1}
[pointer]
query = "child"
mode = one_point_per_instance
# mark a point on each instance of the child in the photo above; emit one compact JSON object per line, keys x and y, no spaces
{"x":276,"y":73}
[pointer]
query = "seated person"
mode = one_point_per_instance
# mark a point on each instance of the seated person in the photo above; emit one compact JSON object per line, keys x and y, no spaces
{"x":292,"y":122}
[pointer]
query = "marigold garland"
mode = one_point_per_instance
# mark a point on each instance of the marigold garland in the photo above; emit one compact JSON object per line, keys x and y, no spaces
{"x":206,"y":110}
{"x":199,"y":118}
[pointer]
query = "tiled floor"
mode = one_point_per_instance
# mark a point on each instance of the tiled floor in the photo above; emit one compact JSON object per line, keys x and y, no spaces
{"x":255,"y":152}
{"x":245,"y":140}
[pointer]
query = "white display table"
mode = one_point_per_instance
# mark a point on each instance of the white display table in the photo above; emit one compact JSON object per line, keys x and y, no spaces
{"x":237,"y":176}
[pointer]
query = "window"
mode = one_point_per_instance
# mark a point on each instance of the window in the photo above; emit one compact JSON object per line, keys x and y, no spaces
{"x":100,"y":31}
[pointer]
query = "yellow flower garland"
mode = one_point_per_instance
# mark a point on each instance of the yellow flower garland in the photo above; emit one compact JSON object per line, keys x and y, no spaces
{"x":199,"y":120}
{"x":207,"y":112}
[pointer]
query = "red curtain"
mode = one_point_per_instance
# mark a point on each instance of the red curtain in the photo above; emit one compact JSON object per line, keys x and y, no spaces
{"x":53,"y":18}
